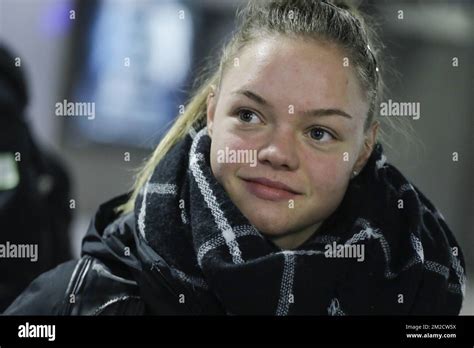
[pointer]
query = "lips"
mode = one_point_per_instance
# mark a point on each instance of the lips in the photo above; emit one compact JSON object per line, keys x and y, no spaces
{"x":269,"y":190}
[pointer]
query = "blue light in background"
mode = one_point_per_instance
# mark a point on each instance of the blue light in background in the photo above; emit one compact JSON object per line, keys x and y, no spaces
{"x":55,"y":19}
{"x":135,"y":104}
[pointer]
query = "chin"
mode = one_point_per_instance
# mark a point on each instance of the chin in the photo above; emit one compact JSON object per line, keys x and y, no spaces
{"x":274,"y":223}
{"x":272,"y":231}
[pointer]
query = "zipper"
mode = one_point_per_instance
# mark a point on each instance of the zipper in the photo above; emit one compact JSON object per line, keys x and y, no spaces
{"x":76,"y":281}
{"x":151,"y":255}
{"x":170,"y":287}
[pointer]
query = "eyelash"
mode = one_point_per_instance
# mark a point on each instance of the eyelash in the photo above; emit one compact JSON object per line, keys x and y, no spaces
{"x":324,"y":130}
{"x":239,"y":112}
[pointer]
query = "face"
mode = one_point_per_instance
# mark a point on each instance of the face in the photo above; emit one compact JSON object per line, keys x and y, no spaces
{"x":287,"y":129}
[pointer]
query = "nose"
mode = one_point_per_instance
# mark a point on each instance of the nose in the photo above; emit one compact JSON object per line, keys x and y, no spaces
{"x":279,"y":150}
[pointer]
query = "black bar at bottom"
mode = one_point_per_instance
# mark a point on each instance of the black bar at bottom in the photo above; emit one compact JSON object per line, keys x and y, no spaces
{"x":264,"y":330}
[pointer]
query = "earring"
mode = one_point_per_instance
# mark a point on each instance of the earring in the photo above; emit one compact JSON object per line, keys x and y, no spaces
{"x":354,"y":174}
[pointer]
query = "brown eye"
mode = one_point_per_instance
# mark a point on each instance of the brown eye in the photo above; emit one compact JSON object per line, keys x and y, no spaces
{"x":320,"y":134}
{"x":248,"y":116}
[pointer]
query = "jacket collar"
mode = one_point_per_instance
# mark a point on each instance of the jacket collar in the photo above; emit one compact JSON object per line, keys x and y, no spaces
{"x":114,"y":239}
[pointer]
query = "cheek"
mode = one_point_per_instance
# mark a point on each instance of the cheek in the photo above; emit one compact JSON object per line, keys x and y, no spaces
{"x":227,"y":142}
{"x":328,"y":174}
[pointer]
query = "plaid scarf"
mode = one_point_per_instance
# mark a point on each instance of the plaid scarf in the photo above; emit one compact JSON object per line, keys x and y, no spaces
{"x":411,"y":263}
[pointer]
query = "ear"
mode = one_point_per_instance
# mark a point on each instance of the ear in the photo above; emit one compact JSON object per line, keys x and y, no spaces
{"x":211,"y":108}
{"x":369,"y":143}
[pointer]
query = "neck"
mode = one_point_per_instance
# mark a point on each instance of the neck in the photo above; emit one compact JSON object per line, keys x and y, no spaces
{"x":293,"y":240}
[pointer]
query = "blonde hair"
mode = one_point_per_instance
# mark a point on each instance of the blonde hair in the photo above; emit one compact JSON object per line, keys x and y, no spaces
{"x":333,"y":21}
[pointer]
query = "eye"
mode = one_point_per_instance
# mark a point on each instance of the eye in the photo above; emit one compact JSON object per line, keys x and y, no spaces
{"x":320,"y":134}
{"x":248,"y":116}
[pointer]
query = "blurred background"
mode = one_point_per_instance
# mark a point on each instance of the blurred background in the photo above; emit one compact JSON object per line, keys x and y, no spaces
{"x":136,"y":60}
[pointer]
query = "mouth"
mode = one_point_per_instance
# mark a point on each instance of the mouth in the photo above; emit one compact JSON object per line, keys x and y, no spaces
{"x":269,"y":190}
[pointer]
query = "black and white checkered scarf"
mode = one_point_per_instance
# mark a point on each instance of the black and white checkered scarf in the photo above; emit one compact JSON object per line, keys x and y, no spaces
{"x":412,"y":263}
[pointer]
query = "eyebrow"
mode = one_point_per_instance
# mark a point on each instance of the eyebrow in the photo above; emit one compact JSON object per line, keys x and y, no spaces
{"x":317,"y":112}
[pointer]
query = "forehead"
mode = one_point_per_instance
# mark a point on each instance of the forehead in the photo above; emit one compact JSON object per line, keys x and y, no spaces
{"x":305,"y":73}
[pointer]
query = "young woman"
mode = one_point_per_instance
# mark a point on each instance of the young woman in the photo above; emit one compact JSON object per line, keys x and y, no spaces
{"x":270,"y":195}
